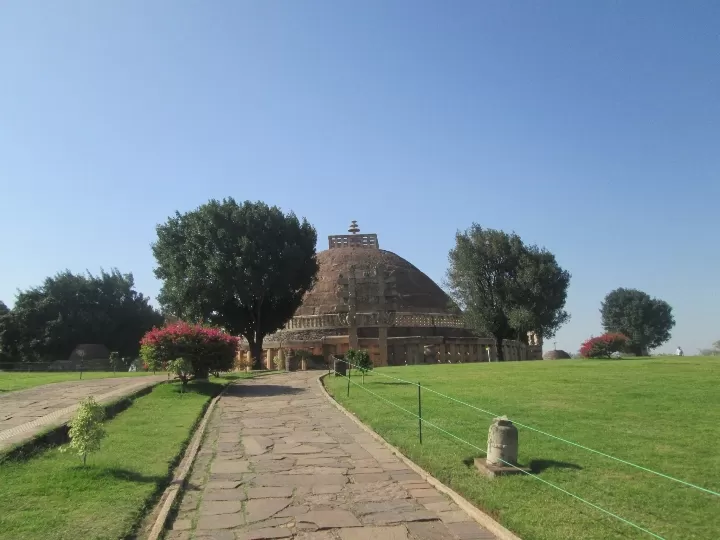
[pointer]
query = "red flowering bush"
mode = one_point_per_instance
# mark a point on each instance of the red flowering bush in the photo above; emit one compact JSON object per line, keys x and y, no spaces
{"x":603,"y":346}
{"x":209,"y":350}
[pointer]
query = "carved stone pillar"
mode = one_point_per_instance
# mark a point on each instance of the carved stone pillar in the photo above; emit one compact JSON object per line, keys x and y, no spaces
{"x":453,"y":353}
{"x":382,"y":346}
{"x":352,"y":313}
{"x":502,"y":446}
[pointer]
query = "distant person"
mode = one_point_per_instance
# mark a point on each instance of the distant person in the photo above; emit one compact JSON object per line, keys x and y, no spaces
{"x":679,"y":352}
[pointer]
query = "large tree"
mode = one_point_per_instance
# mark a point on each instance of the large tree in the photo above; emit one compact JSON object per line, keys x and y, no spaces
{"x":49,"y":321}
{"x":244,"y":267}
{"x":4,"y":319}
{"x":506,"y":288}
{"x":644,"y":320}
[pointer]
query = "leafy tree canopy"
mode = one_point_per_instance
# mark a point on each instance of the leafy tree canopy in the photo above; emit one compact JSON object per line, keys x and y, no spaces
{"x":644,"y":320}
{"x":506,"y":288}
{"x":49,"y":321}
{"x":4,"y":321}
{"x":244,"y":267}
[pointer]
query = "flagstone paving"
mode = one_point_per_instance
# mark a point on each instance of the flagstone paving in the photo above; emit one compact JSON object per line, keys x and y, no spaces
{"x":280,"y":461}
{"x":26,"y":413}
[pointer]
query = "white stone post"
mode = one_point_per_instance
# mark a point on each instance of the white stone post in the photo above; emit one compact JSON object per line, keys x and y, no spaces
{"x":502,"y":446}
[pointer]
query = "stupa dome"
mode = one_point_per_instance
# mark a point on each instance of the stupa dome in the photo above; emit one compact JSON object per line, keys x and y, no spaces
{"x":415,"y":292}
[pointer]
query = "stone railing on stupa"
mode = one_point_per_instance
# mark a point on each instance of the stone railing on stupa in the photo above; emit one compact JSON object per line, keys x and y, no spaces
{"x":399,"y":319}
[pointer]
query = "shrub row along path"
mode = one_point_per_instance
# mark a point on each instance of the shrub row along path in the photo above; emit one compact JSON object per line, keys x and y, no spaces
{"x":280,"y":461}
{"x":27,"y":413}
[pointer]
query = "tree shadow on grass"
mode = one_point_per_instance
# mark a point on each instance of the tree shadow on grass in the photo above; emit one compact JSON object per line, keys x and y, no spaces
{"x":203,"y":388}
{"x":536,"y":466}
{"x":263,"y":390}
{"x":102,"y":473}
{"x":399,"y":383}
{"x":539,"y":465}
{"x":133,"y":476}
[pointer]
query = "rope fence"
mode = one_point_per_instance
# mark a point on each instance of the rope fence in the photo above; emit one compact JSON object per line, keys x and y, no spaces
{"x":422,"y":421}
{"x":536,"y":430}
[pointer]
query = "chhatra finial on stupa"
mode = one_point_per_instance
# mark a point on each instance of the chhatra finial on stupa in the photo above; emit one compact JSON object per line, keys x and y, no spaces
{"x":354,"y":229}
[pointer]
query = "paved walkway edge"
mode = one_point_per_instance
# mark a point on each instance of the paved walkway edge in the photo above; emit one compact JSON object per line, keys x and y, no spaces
{"x":57,"y":420}
{"x":473,"y":511}
{"x":171,"y":493}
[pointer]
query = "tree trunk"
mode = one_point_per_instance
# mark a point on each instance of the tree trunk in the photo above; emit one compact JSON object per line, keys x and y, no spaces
{"x":499,"y":347}
{"x":202,"y":370}
{"x":256,"y":351}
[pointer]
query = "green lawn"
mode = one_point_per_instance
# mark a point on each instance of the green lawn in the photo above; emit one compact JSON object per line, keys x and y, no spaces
{"x":51,"y":496}
{"x":663,"y":414}
{"x":18,"y":380}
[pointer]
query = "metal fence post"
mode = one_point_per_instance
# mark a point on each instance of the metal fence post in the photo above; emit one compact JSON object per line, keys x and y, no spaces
{"x":81,"y":354}
{"x":419,"y":412}
{"x":349,"y":372}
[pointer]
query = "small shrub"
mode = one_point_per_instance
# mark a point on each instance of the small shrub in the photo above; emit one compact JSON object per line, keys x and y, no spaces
{"x":603,"y":346}
{"x":359,"y":359}
{"x":86,"y":429}
{"x":183,"y":370}
{"x":209,"y":350}
{"x":278,"y":362}
{"x":115,"y":360}
{"x":150,"y":358}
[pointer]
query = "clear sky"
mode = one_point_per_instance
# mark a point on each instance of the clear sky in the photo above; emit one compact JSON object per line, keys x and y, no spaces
{"x":591,"y":128}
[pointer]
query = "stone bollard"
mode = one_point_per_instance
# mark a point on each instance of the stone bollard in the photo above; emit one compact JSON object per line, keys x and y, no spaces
{"x":502,"y":450}
{"x":502,"y":445}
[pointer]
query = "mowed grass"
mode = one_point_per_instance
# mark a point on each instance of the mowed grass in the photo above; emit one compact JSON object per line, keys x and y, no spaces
{"x":17,"y":380}
{"x":53,"y":497}
{"x":663,"y":414}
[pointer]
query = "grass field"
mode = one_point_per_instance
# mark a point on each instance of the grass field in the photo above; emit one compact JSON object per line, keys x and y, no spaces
{"x":53,"y":497}
{"x":663,"y":414}
{"x":18,"y":380}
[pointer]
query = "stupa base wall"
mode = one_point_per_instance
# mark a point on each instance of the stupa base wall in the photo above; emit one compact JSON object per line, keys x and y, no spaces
{"x":407,"y":350}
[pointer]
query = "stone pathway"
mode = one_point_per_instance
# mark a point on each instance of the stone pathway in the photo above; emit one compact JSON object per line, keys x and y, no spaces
{"x":280,"y":461}
{"x":26,"y":413}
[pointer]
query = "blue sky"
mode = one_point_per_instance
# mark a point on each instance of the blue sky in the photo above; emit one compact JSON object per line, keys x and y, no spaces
{"x":591,"y":128}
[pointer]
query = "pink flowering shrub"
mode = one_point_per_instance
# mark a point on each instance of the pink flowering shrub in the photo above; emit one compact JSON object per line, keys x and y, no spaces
{"x":209,"y":350}
{"x":603,"y":346}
